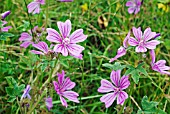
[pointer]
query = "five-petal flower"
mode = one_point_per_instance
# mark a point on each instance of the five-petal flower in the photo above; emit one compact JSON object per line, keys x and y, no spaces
{"x":66,"y":43}
{"x":143,"y":41}
{"x":63,"y":87}
{"x":115,"y":90}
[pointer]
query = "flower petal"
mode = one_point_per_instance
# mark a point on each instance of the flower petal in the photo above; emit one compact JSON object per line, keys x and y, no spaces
{"x":37,"y":52}
{"x":63,"y":101}
{"x":33,"y":7}
{"x":122,"y":96}
{"x":124,"y":82}
{"x":5,"y":29}
{"x":61,"y":77}
{"x":75,"y":49}
{"x":108,"y":99}
{"x":120,"y":52}
{"x":77,"y":36}
{"x":56,"y":85}
{"x":61,"y":48}
{"x":41,"y":46}
{"x":53,"y":36}
{"x":67,"y":84}
{"x":25,"y":44}
{"x":125,"y":41}
{"x":133,"y":42}
{"x":25,"y":37}
{"x":148,"y":34}
{"x":71,"y":95}
{"x":140,"y":49}
{"x":152,"y":44}
{"x":130,"y":3}
{"x":137,"y":33}
{"x":64,"y":28}
{"x":152,"y":53}
{"x":48,"y":102}
{"x":131,"y":10}
{"x":106,"y":86}
{"x":115,"y":77}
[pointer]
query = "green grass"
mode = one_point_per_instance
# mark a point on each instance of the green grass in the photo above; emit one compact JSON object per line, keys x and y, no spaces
{"x":100,"y":46}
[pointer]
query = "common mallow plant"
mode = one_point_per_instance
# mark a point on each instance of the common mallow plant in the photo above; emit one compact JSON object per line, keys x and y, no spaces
{"x":63,"y":89}
{"x":66,"y":43}
{"x":34,"y":7}
{"x":115,"y":89}
{"x":48,"y":102}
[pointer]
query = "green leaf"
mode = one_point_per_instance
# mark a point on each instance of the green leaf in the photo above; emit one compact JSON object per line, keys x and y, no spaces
{"x":116,"y":66}
{"x":9,"y":91}
{"x":11,"y":99}
{"x":1,"y":24}
{"x":141,"y":69}
{"x":129,"y":71}
{"x":5,"y":35}
{"x":11,"y":81}
{"x":150,"y":107}
{"x":135,"y":76}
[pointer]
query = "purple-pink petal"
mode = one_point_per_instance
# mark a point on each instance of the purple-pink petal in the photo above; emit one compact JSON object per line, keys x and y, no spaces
{"x":77,"y":36}
{"x":68,"y":84}
{"x":75,"y":49}
{"x":34,"y":7}
{"x":152,"y":44}
{"x":37,"y":52}
{"x":25,"y":37}
{"x":25,"y":44}
{"x":63,"y":101}
{"x":106,"y":86}
{"x":148,"y":34}
{"x":115,"y":77}
{"x":129,"y":3}
{"x":140,"y":49}
{"x":71,"y":95}
{"x":5,"y":14}
{"x":41,"y":46}
{"x":152,"y":53}
{"x":108,"y":99}
{"x":121,"y":97}
{"x":125,"y":41}
{"x":66,"y":0}
{"x":61,"y":48}
{"x":133,"y":42}
{"x":137,"y":33}
{"x":5,"y":29}
{"x":124,"y":82}
{"x":53,"y":36}
{"x":120,"y":52}
{"x":64,"y":28}
{"x":48,"y":102}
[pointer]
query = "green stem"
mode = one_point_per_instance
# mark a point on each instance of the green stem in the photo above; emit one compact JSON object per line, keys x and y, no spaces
{"x":52,"y":70}
{"x":19,"y":105}
{"x":46,"y":23}
{"x":29,"y":20}
{"x":43,"y":94}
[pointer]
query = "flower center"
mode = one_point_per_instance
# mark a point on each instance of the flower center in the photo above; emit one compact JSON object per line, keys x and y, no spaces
{"x":66,"y":41}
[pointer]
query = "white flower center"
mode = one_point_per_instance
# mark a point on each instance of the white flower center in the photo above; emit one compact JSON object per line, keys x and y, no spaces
{"x":66,"y":41}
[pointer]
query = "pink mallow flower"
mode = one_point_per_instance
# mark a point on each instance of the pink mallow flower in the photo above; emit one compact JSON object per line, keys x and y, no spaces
{"x":66,"y":43}
{"x":143,"y":41}
{"x":48,"y":102}
{"x":122,"y":50}
{"x":34,"y":7}
{"x":63,"y":89}
{"x":159,"y":66}
{"x":43,"y":47}
{"x":5,"y":29}
{"x":27,"y":38}
{"x":116,"y":90}
{"x":134,"y":6}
